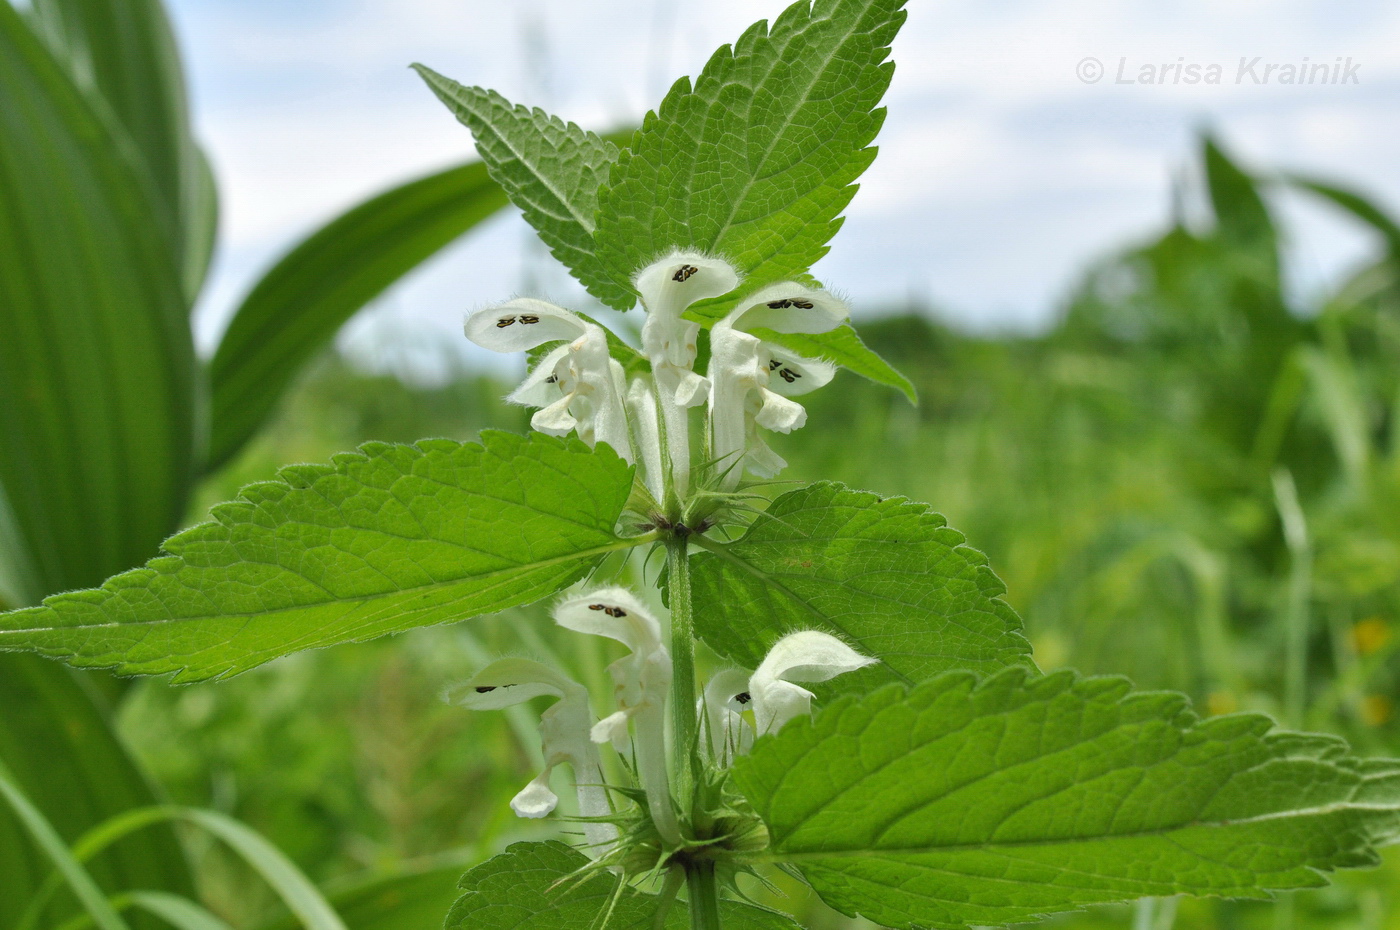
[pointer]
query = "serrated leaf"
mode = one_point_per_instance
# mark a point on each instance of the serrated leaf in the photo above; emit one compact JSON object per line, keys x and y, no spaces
{"x":965,"y":803}
{"x":528,"y":887}
{"x":844,"y":347}
{"x":552,"y":171}
{"x":757,"y":161}
{"x":383,"y":540}
{"x":888,"y":576}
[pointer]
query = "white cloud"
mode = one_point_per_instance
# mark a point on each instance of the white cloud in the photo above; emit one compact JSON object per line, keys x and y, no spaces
{"x":1001,"y":173}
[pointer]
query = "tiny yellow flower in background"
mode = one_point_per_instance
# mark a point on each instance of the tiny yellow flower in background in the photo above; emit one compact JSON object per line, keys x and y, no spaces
{"x":1370,"y":635}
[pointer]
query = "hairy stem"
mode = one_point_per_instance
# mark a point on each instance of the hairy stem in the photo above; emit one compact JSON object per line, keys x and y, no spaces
{"x":683,"y":667}
{"x":704,"y":895}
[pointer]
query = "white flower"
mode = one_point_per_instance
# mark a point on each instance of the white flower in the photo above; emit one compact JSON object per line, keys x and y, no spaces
{"x":642,"y":680}
{"x":726,"y":698}
{"x":668,"y":287}
{"x":641,"y":404}
{"x":564,"y":736}
{"x":751,"y":380}
{"x":578,"y":385}
{"x":804,"y":656}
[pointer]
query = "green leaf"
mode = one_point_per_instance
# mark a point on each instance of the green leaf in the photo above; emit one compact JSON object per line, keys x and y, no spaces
{"x":180,"y":913}
{"x":985,"y":803}
{"x":295,"y":889}
{"x":414,"y":900}
{"x":1243,"y":218}
{"x":62,"y":752}
{"x":844,"y":347}
{"x":202,"y":227}
{"x":758,"y":160}
{"x":295,"y":309}
{"x":529,"y":887}
{"x":552,"y":171}
{"x":98,"y":380}
{"x":48,"y":840}
{"x":888,"y":576}
{"x":384,"y":540}
{"x":1357,"y":205}
{"x":124,"y":53}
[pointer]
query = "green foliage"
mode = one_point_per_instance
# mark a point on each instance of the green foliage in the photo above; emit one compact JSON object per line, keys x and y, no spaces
{"x":64,"y":757}
{"x":97,"y":403}
{"x":757,"y":160}
{"x":844,"y":347}
{"x":415,"y":900}
{"x":123,"y":53}
{"x":552,"y":171}
{"x":533,"y":886}
{"x":963,"y":802}
{"x":888,"y":576}
{"x":383,"y":540}
{"x":298,"y":305}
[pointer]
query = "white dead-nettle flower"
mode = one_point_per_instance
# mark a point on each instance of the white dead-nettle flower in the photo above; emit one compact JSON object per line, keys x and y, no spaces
{"x":642,"y":681}
{"x":725,"y":700}
{"x":564,"y":736}
{"x":669,"y":286}
{"x":642,"y":407}
{"x":769,"y":692}
{"x":751,"y":380}
{"x":578,"y":385}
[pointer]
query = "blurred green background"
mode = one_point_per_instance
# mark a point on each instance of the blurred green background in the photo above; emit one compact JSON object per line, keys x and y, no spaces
{"x":1187,"y":480}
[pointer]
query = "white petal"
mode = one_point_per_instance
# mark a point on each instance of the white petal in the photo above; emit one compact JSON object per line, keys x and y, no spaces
{"x":760,"y":459}
{"x":610,"y":413}
{"x":690,"y":389}
{"x":778,"y":413}
{"x":510,"y":681}
{"x":790,"y":374}
{"x":673,"y":283}
{"x":641,"y":402}
{"x":790,"y":308}
{"x":535,"y":800}
{"x":726,"y":698}
{"x":810,"y":655}
{"x":612,"y":729}
{"x":543,"y":385}
{"x":777,"y":702}
{"x":612,"y":612}
{"x":522,"y":324}
{"x":555,"y":420}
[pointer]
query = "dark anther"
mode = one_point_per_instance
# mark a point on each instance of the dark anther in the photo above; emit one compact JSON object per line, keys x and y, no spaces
{"x":774,"y":364}
{"x":789,"y":375}
{"x":552,"y":379}
{"x":485,"y":689}
{"x":529,"y":319}
{"x":743,"y":697}
{"x":683,"y":273}
{"x":504,"y":321}
{"x":802,"y":304}
{"x":597,"y":607}
{"x":780,"y":304}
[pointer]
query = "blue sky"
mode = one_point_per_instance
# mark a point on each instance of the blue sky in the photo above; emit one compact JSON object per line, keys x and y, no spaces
{"x":1001,"y":175}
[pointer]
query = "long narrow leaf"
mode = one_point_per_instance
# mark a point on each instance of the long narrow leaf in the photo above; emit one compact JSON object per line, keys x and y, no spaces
{"x":98,"y":385}
{"x":295,"y":309}
{"x":124,"y":52}
{"x":58,"y":745}
{"x":180,"y":913}
{"x":48,"y":840}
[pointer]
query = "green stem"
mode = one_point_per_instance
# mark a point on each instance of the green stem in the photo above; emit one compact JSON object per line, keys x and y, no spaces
{"x":1296,"y":620}
{"x":704,"y":896}
{"x":683,"y":668}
